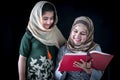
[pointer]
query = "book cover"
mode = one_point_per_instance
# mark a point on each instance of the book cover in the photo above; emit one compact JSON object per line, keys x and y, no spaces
{"x":100,"y":60}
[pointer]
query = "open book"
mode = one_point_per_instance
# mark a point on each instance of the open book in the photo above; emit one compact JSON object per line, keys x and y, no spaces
{"x":100,"y":60}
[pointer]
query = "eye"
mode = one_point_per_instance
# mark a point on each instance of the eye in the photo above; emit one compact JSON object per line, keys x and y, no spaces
{"x":83,"y":33}
{"x":51,"y":18}
{"x":75,"y":31}
{"x":45,"y":18}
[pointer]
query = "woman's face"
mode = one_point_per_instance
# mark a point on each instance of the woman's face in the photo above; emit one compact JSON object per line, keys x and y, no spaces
{"x":79,"y":33}
{"x":47,"y":19}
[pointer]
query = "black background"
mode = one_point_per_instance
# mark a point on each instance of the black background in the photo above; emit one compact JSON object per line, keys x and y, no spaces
{"x":14,"y":17}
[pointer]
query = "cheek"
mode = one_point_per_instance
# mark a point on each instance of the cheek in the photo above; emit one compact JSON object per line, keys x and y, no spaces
{"x":43,"y":22}
{"x":52,"y":21}
{"x":71,"y":35}
{"x":84,"y":38}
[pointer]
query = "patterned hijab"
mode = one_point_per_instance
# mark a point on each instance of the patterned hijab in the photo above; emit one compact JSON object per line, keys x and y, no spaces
{"x":51,"y":36}
{"x":89,"y":44}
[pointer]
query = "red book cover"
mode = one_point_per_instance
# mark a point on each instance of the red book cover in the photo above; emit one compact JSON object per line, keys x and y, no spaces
{"x":100,"y":60}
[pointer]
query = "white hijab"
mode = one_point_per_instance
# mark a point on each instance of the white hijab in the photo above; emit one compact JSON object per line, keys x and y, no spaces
{"x":49,"y":37}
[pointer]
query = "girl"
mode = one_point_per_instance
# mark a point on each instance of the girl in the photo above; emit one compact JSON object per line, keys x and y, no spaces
{"x":39,"y":44}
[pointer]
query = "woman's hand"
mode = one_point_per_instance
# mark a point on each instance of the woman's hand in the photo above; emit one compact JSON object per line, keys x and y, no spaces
{"x":86,"y":66}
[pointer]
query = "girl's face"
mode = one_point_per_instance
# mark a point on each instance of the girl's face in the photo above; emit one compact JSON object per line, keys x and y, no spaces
{"x":47,"y":19}
{"x":79,"y":33}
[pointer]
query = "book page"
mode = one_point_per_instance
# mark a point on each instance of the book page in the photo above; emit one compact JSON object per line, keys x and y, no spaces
{"x":78,"y":53}
{"x":98,"y":52}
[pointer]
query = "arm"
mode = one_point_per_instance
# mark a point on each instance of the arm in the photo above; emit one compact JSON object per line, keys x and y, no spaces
{"x":25,"y":48}
{"x":22,"y":67}
{"x":96,"y":74}
{"x":58,"y":74}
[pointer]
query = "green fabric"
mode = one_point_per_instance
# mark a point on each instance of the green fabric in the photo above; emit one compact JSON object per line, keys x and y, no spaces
{"x":38,"y":65}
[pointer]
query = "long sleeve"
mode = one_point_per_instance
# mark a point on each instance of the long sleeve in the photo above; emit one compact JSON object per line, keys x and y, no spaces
{"x":58,"y":74}
{"x":96,"y":74}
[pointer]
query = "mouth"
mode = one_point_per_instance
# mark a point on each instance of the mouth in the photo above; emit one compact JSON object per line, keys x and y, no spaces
{"x":47,"y":26}
{"x":77,"y":40}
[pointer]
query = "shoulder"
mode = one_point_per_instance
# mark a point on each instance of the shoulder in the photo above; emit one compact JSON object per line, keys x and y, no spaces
{"x":97,"y":47}
{"x":26,"y":38}
{"x":62,"y":48}
{"x":28,"y":35}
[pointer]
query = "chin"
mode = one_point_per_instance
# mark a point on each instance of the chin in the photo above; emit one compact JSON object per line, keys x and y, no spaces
{"x":77,"y":43}
{"x":46,"y":27}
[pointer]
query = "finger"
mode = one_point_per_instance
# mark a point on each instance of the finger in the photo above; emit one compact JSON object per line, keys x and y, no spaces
{"x":75,"y":62}
{"x":77,"y":65}
{"x":82,"y":60}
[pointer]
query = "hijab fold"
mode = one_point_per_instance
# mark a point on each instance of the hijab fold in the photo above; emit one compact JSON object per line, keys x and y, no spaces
{"x":50,"y":37}
{"x":89,"y":44}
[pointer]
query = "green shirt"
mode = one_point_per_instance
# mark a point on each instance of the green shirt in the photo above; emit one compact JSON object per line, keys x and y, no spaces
{"x":38,"y":66}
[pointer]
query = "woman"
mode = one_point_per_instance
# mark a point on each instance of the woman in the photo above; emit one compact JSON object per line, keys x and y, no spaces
{"x":39,"y":44}
{"x":80,"y":40}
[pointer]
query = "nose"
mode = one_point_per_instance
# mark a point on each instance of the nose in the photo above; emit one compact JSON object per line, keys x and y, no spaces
{"x":48,"y":21}
{"x":78,"y":35}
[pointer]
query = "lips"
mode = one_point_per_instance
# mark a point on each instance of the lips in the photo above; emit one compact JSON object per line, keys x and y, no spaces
{"x":47,"y":26}
{"x":77,"y":40}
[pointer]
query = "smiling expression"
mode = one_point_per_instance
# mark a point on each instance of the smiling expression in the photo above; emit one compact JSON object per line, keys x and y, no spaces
{"x":79,"y":33}
{"x":47,"y":19}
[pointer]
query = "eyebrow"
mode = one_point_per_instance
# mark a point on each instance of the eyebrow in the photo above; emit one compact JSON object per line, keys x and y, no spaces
{"x":47,"y":17}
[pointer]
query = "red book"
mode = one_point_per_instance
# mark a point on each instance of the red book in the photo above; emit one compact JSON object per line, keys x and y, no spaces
{"x":100,"y":60}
